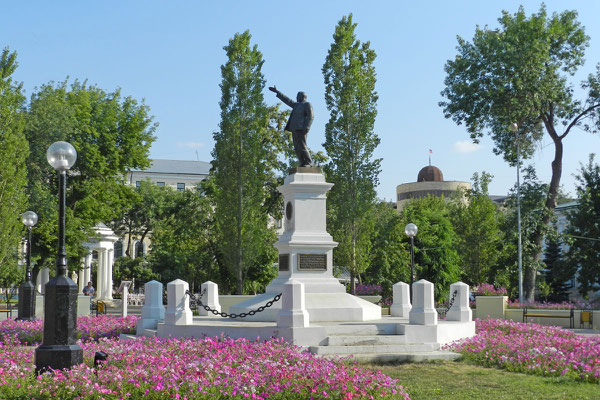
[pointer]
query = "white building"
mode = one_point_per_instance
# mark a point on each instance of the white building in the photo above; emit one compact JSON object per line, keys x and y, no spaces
{"x":179,"y":174}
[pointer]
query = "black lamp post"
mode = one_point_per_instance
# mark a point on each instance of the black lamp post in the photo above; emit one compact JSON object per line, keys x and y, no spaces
{"x":58,"y":349}
{"x":27,"y":289}
{"x":411,"y":231}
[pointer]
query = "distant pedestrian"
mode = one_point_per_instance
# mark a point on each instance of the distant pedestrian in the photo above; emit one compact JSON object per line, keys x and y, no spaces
{"x":89,"y":290}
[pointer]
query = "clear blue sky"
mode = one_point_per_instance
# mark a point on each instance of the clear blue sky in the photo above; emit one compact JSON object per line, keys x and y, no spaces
{"x":170,"y":52}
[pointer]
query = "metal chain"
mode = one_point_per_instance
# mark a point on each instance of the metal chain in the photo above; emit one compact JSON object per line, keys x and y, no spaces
{"x":450,"y":303}
{"x":232,"y":315}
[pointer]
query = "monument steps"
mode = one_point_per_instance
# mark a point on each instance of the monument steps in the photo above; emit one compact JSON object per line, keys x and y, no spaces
{"x":364,"y":340}
{"x":354,"y":329}
{"x":403,"y":357}
{"x":375,"y":348}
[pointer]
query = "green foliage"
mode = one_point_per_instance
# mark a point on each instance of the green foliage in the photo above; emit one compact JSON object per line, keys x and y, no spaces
{"x":111,"y":134}
{"x":533,"y":214}
{"x":138,"y":269}
{"x":13,"y":173}
{"x":584,"y":228}
{"x":390,"y":254}
{"x":557,"y":274}
{"x":519,"y":73}
{"x":436,"y":255}
{"x":477,"y":220}
{"x":183,"y":242}
{"x":245,"y":157}
{"x":144,"y":207}
{"x":350,"y":141}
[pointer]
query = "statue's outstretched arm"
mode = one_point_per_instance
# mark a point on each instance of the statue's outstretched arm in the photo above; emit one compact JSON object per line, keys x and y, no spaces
{"x":282,"y":96}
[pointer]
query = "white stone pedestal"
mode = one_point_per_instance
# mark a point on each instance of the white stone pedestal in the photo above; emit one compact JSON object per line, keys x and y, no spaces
{"x":401,"y":306}
{"x":306,"y":255}
{"x":210,"y":297}
{"x":178,"y":304}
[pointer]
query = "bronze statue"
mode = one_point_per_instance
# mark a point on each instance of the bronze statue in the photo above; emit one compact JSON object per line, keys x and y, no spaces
{"x":299,"y":123}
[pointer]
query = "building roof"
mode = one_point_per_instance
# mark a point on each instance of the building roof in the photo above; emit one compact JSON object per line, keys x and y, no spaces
{"x":178,"y":167}
{"x":430,"y":174}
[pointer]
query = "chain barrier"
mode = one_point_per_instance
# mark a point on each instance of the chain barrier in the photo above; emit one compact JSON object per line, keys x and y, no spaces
{"x":198,"y":301}
{"x":443,"y":313}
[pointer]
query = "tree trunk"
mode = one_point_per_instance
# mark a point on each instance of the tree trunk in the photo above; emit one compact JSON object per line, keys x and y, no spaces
{"x":538,"y":237}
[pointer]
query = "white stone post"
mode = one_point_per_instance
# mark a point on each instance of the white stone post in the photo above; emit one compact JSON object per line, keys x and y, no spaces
{"x":178,"y":304}
{"x":460,"y":310}
{"x":109,"y":274}
{"x":100,"y":277}
{"x":88,"y":270}
{"x":401,"y":305}
{"x":293,"y":312}
{"x":125,"y":300}
{"x":105,"y":277}
{"x":45,"y":277}
{"x":423,"y":311}
{"x":153,"y":309}
{"x":210,"y":297}
{"x":81,"y":279}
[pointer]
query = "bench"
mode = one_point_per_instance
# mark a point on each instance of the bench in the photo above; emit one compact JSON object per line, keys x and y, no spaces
{"x":537,"y":313}
{"x":8,"y":309}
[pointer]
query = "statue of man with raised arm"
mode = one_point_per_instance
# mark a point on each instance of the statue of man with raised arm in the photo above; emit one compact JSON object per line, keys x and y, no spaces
{"x":299,"y":123}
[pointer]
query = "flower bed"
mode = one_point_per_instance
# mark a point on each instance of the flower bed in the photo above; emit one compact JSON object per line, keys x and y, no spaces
{"x":194,"y":369}
{"x":485,"y":289}
{"x":368,"y":290}
{"x":88,"y":328}
{"x":534,"y":349}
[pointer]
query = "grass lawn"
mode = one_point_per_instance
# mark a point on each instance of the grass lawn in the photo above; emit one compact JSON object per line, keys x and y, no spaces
{"x":463,"y":380}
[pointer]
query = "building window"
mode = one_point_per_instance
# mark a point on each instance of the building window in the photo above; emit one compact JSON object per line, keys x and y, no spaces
{"x":119,"y":249}
{"x":181,"y":187}
{"x":140,"y":249}
{"x":138,"y":184}
{"x":160,"y":183}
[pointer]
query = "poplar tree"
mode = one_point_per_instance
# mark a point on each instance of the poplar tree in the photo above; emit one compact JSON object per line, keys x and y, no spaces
{"x":13,"y":174}
{"x":350,"y":141}
{"x":244,"y":157}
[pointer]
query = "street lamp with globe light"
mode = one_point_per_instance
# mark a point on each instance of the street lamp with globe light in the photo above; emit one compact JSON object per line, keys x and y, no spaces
{"x":27,"y":289}
{"x":411,"y":231}
{"x":59,"y":349}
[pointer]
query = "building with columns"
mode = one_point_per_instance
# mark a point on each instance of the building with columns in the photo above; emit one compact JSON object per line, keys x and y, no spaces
{"x":104,"y":245}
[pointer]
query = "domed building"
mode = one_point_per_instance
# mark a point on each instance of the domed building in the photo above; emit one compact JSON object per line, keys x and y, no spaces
{"x":430,"y":182}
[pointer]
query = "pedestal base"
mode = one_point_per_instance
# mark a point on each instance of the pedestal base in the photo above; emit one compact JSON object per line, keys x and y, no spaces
{"x":320,"y":307}
{"x":26,"y":302}
{"x":57,"y":357}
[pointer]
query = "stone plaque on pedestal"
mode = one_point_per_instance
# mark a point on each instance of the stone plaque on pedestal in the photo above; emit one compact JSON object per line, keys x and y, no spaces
{"x":284,"y":262}
{"x":312,"y":262}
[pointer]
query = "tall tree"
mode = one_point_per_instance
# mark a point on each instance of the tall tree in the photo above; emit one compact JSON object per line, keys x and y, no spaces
{"x":13,"y":173}
{"x":584,"y":229}
{"x":111,"y":134}
{"x":476,"y":220}
{"x":518,"y":73}
{"x":244,"y":161}
{"x":350,"y":141}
